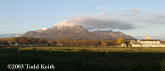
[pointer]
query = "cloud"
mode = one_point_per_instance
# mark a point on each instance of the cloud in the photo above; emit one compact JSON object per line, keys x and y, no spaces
{"x":96,"y":23}
{"x":96,"y":1}
{"x":8,"y":21}
{"x":4,"y":23}
{"x":138,"y":16}
{"x":137,"y":10}
{"x":102,"y":8}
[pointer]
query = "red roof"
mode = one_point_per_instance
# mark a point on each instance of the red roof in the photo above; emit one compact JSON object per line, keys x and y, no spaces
{"x":162,"y":42}
{"x":135,"y":43}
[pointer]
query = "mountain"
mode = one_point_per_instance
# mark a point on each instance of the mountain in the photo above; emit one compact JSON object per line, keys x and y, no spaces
{"x":74,"y":32}
{"x":9,"y":35}
{"x":41,"y":30}
{"x":113,"y":35}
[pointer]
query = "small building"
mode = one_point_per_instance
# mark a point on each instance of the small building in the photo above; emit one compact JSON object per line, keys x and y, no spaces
{"x":135,"y":44}
{"x":148,"y":42}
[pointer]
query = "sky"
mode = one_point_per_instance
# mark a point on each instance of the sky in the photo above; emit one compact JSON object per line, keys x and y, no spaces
{"x":133,"y":17}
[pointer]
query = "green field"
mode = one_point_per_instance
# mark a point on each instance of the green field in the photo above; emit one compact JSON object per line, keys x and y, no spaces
{"x":98,"y":49}
{"x":85,"y":58}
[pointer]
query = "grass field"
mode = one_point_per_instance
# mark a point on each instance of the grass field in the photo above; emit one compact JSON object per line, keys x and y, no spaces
{"x":98,"y":49}
{"x":86,"y":58}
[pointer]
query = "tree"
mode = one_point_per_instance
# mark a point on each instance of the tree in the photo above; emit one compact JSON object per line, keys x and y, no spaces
{"x":67,"y":43}
{"x":128,"y":44}
{"x":112,"y":42}
{"x":43,"y":42}
{"x":104,"y":43}
{"x":53,"y":43}
{"x":120,"y":41}
{"x":5,"y":42}
{"x":22,"y":41}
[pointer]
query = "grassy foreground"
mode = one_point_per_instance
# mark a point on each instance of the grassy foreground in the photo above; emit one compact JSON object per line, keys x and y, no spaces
{"x":98,"y":49}
{"x":86,"y":58}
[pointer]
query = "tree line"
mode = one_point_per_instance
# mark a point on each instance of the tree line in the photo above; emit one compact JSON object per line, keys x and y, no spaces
{"x":29,"y":41}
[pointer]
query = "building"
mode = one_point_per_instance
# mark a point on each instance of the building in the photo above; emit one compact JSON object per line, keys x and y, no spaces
{"x":147,"y":42}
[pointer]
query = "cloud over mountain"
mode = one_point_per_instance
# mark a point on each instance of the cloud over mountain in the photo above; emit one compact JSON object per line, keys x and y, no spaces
{"x":96,"y":23}
{"x":135,"y":16}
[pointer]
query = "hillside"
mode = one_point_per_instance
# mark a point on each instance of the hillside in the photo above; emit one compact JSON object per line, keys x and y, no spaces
{"x":74,"y":32}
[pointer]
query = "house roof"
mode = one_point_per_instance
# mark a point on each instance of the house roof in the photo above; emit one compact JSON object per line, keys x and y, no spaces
{"x":162,"y":42}
{"x":135,"y":43}
{"x":149,"y":40}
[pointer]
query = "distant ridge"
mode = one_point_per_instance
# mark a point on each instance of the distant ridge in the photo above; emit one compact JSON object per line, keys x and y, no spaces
{"x":9,"y":35}
{"x":74,"y":32}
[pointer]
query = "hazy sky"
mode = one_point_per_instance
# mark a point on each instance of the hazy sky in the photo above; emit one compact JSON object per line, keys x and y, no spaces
{"x":132,"y":17}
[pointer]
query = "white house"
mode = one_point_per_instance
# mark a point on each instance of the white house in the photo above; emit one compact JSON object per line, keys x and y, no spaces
{"x":148,"y":42}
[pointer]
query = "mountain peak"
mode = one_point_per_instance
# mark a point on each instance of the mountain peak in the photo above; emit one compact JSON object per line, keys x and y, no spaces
{"x":69,"y":30}
{"x":41,"y":29}
{"x":64,"y":24}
